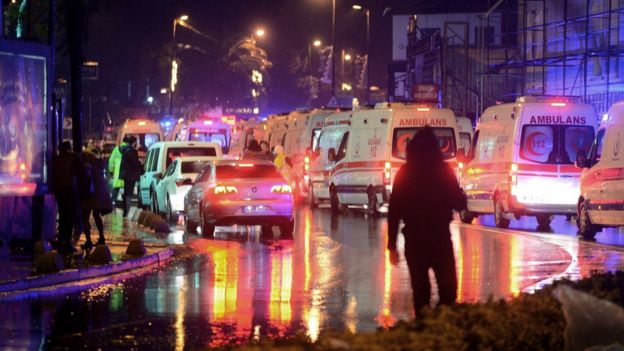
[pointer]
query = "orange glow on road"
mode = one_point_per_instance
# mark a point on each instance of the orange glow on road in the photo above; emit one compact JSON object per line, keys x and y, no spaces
{"x":280,"y":310}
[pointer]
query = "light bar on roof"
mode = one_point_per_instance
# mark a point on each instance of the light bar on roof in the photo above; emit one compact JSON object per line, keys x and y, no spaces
{"x":558,"y":104}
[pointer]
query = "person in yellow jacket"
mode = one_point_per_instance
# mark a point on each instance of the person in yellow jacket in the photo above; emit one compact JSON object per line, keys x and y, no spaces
{"x":114,"y":165}
{"x":281,"y":164}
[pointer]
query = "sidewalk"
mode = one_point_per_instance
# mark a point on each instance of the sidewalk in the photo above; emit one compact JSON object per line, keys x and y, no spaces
{"x":18,"y":275}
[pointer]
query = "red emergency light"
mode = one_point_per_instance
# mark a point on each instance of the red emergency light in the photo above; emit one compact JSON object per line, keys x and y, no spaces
{"x":423,"y":109}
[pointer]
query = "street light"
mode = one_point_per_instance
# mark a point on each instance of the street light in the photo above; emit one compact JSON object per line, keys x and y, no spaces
{"x":347,"y":57}
{"x":174,"y":64}
{"x":260,"y":32}
{"x":367,"y":14}
{"x":317,"y":43}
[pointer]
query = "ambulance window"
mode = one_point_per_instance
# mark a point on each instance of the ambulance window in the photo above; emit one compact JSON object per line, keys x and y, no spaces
{"x":473,"y":147}
{"x":577,"y":138}
{"x":596,"y":150}
{"x":316,"y":134}
{"x":464,"y":141}
{"x":444,"y":136}
{"x":342,"y":149}
{"x":537,"y":143}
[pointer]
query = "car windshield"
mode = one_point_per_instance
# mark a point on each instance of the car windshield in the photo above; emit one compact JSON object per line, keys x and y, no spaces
{"x":215,"y":137}
{"x":193,"y":166}
{"x":175,"y":152}
{"x":247,"y":172}
{"x":554,"y":144}
{"x":444,"y":136}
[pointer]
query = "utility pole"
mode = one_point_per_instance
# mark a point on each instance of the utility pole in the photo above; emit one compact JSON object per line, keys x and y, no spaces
{"x":75,"y":15}
{"x":333,"y":48}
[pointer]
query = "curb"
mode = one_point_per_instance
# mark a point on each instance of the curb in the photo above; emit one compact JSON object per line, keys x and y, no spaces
{"x":72,"y":275}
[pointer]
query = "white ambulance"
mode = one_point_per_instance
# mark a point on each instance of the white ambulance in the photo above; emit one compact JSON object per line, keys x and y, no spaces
{"x":242,"y":134}
{"x":374,"y":148}
{"x":601,"y":203}
{"x":323,"y":156}
{"x":208,"y":129}
{"x":260,"y":131}
{"x":145,"y":130}
{"x":521,"y":162}
{"x":304,"y":129}
{"x":277,"y":126}
{"x":465,"y":133}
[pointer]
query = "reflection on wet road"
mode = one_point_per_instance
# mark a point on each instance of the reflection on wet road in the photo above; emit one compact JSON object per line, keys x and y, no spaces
{"x":335,"y":274}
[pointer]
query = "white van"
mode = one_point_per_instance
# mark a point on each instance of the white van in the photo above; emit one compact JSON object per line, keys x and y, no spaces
{"x":601,"y":203}
{"x":242,"y":134}
{"x":521,"y":162}
{"x":277,"y":126}
{"x":465,"y":133}
{"x":304,"y":129}
{"x":374,"y":148}
{"x":160,"y":156}
{"x":145,"y":130}
{"x":207,"y":129}
{"x":260,"y":131}
{"x":323,"y":156}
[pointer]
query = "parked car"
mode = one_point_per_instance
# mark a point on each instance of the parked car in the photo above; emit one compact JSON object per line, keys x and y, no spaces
{"x":159,"y":158}
{"x":229,"y":192}
{"x":175,"y":184}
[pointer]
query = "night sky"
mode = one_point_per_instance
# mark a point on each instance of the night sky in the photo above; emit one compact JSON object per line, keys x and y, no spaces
{"x":131,"y":40}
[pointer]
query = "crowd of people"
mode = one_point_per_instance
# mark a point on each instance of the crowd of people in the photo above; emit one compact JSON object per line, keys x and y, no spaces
{"x":82,"y":191}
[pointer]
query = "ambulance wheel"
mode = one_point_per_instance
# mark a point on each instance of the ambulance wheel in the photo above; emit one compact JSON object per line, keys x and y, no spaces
{"x":334,"y":201}
{"x":543,"y":221}
{"x":312,"y":200}
{"x":499,"y":214}
{"x":208,"y":230}
{"x":466,"y":216}
{"x":586,"y":229}
{"x":266,"y":231}
{"x":373,"y":207}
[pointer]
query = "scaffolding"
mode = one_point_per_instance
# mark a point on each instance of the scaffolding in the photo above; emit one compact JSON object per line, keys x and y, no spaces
{"x":564,"y":47}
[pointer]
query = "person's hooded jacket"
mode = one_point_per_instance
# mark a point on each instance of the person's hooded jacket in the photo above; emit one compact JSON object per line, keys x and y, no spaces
{"x":424,"y":194}
{"x":114,"y":165}
{"x":130,"y":168}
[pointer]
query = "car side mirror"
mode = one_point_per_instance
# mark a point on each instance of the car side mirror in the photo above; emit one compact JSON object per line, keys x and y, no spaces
{"x":581,"y":159}
{"x":158,"y":176}
{"x":188,"y":181}
{"x":331,"y":154}
{"x":308,"y":151}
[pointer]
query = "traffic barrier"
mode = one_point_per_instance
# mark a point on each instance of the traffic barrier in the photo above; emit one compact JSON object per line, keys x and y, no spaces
{"x":100,"y":255}
{"x":136,"y":248}
{"x":48,"y":263}
{"x":160,"y":226}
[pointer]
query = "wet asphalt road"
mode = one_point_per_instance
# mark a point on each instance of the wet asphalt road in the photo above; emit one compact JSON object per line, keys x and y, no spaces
{"x":335,"y":274}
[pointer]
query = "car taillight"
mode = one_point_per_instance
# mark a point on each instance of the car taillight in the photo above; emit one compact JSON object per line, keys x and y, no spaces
{"x":225,"y":189}
{"x":387,"y":173}
{"x":181,"y":182}
{"x":281,"y":189}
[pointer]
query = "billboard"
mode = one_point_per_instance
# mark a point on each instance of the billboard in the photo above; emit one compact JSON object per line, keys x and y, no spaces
{"x":23,"y":121}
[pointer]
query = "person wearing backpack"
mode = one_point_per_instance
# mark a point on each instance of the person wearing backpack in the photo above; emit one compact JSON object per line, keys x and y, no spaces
{"x":96,"y":200}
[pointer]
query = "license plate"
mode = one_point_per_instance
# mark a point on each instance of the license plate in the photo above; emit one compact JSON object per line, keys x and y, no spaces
{"x":255,"y":209}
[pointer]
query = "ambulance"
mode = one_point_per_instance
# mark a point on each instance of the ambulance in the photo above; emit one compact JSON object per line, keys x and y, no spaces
{"x":304,"y":129}
{"x":601,"y":202}
{"x":208,"y":129}
{"x":465,"y":133}
{"x":521,"y":162}
{"x":260,"y":131}
{"x":323,"y":156}
{"x":374,"y":148}
{"x":145,"y":130}
{"x":277,"y":126}
{"x":242,"y":134}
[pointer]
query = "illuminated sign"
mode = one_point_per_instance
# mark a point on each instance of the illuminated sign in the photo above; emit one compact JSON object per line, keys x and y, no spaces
{"x":421,"y":122}
{"x":558,"y":120}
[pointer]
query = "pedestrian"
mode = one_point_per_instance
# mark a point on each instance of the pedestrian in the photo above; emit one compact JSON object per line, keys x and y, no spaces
{"x":98,"y":202}
{"x":266,"y":150}
{"x":114,"y":165}
{"x":67,"y":175}
{"x":424,"y":194}
{"x":253,"y":151}
{"x":130,"y":171}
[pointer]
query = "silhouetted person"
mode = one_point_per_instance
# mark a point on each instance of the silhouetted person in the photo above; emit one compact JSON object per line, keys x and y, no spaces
{"x":266,"y":150}
{"x":130,"y":171}
{"x":424,"y":194}
{"x":98,"y":202}
{"x":67,"y":176}
{"x":253,"y":151}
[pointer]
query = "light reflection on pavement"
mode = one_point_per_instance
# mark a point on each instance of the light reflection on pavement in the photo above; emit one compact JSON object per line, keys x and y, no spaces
{"x":334,"y":275}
